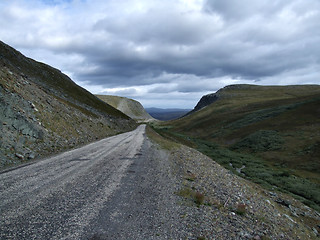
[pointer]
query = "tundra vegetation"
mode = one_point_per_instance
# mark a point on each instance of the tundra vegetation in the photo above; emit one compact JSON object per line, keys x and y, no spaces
{"x":269,"y":135}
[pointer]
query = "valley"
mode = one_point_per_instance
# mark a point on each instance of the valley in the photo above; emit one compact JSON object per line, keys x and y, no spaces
{"x":138,"y":184}
{"x":243,"y":164}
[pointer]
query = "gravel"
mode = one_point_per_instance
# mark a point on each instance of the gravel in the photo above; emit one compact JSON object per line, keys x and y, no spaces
{"x":234,"y":208}
{"x":129,"y":187}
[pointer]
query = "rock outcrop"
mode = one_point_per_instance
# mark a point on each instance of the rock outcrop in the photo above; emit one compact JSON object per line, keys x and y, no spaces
{"x":206,"y":100}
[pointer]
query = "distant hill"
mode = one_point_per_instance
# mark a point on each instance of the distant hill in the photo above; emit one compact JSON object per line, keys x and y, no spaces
{"x":268,"y":134}
{"x":167,"y":114}
{"x":130,"y":107}
{"x":42,"y":111}
{"x":253,"y":93}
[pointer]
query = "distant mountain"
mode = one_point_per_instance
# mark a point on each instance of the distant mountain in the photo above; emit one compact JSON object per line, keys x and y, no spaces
{"x":130,"y":107}
{"x":167,"y":114}
{"x":268,"y":134}
{"x":42,"y":111}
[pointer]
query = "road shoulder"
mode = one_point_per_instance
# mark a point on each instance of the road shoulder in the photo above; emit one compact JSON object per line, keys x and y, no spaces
{"x":214,"y":203}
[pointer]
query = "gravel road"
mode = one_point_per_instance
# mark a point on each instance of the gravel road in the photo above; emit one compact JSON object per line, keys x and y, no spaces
{"x":104,"y":190}
{"x":128,"y":187}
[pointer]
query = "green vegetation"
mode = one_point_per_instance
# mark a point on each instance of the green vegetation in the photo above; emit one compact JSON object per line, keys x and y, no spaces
{"x":260,"y":115}
{"x":241,"y":209}
{"x":255,"y":169}
{"x":260,"y":141}
{"x":196,"y":197}
{"x":269,"y":135}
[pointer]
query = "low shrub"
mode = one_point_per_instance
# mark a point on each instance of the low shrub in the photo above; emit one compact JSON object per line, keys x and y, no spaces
{"x":198,"y":198}
{"x":260,"y":141}
{"x":188,"y":193}
{"x":241,"y":209}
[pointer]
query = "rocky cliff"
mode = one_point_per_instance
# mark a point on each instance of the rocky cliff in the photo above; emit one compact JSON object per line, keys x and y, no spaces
{"x":42,"y":111}
{"x":206,"y":100}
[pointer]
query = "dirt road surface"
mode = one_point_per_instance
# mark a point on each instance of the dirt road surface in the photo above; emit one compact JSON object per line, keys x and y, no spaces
{"x":129,"y":187}
{"x":111,"y":189}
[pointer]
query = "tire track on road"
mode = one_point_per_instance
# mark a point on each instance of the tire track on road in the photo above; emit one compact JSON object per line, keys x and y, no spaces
{"x":62,"y":193}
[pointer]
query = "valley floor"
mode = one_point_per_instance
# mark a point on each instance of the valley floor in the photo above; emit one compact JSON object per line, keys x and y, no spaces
{"x":138,"y":185}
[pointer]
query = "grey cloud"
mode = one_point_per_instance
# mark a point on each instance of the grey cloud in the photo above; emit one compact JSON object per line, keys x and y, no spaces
{"x":233,"y":9}
{"x":162,"y":24}
{"x":168,"y":47}
{"x":122,"y":92}
{"x":186,"y":84}
{"x":247,"y":49}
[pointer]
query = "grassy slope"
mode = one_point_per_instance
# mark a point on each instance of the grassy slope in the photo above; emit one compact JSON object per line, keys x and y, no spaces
{"x":54,"y":81}
{"x":131,"y":107}
{"x":273,"y":131}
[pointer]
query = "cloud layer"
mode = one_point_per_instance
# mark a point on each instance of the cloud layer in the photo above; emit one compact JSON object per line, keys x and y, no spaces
{"x":169,"y":53}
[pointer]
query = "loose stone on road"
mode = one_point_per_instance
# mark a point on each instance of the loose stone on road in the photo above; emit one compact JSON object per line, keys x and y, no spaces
{"x":73,"y":195}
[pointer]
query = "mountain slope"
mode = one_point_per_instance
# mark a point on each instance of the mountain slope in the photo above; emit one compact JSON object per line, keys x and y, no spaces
{"x":254,"y":93}
{"x":42,"y":111}
{"x":130,"y":107}
{"x":234,"y":102}
{"x":268,"y":134}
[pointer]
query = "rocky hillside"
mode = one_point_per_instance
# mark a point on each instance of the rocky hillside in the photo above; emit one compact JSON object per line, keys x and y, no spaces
{"x":130,"y":107}
{"x":42,"y":111}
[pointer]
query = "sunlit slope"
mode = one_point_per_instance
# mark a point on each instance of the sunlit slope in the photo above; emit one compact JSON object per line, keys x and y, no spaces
{"x":130,"y":107}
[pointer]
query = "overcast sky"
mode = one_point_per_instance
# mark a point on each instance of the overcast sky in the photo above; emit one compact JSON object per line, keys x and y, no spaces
{"x":168,"y":53}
